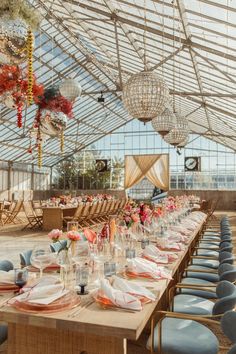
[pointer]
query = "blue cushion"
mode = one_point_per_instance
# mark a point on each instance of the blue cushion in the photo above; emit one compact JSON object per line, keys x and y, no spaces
{"x":210,"y":263}
{"x":191,"y":304}
{"x":6,"y":265}
{"x":207,"y":253}
{"x":207,"y":276}
{"x":184,"y":337}
{"x":198,"y":292}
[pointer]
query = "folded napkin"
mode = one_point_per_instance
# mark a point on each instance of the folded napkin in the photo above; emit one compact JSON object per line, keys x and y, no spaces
{"x":132,"y":288}
{"x":90,"y":235}
{"x":152,"y":252}
{"x":173,"y":246}
{"x":7,"y":277}
{"x":145,"y":267}
{"x":44,"y":292}
{"x":120,"y":298}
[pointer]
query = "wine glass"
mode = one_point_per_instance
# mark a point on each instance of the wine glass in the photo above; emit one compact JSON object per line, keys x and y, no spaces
{"x":81,"y":252}
{"x":41,"y":258}
{"x":21,"y":277}
{"x":82,"y":276}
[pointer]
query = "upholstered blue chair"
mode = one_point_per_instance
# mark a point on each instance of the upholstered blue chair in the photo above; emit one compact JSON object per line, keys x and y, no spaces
{"x":58,"y":246}
{"x":25,"y":258}
{"x":6,"y":265}
{"x":176,"y":335}
{"x":196,"y":305}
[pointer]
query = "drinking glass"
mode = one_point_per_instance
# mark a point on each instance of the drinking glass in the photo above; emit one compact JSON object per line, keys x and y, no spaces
{"x":109,"y":268}
{"x":21,"y":277}
{"x":42,"y":257}
{"x":82,"y":276}
{"x":81,"y":252}
{"x":72,"y":226}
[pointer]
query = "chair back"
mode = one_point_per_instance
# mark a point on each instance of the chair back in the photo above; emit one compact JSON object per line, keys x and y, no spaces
{"x":37,"y":207}
{"x":85,"y":211}
{"x":227,"y":272}
{"x":78,"y":211}
{"x":226,"y":257}
{"x":25,"y":258}
{"x":58,"y":246}
{"x":28,"y":209}
{"x":228,"y":325}
{"x":226,"y":293}
{"x":6,"y":265}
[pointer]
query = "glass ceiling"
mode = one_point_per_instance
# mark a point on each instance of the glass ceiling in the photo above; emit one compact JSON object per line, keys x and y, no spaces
{"x":101,"y":43}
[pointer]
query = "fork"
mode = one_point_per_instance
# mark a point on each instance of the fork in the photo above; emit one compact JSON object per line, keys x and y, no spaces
{"x":81,"y":308}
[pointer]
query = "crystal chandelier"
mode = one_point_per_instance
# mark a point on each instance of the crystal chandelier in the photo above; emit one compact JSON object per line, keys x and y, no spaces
{"x":179,"y":133}
{"x":145,"y":95}
{"x":164,"y":122}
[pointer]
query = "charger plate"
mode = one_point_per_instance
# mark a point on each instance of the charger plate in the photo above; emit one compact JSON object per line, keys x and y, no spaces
{"x":66,"y":302}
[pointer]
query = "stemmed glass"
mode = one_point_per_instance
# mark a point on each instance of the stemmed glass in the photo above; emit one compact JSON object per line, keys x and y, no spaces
{"x":41,"y":258}
{"x":81,"y":253}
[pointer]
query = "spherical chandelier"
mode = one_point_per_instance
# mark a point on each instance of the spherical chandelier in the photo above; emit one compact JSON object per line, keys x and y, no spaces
{"x":145,"y":95}
{"x":184,"y":142}
{"x":70,"y":89}
{"x":176,"y":136}
{"x":52,"y":123}
{"x":164,"y":122}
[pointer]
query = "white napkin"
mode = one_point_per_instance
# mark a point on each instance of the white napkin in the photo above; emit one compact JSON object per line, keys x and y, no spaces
{"x":140,"y":265}
{"x":154,"y":254}
{"x":7,"y":277}
{"x":46,"y":291}
{"x":132,"y":288}
{"x":120,"y":298}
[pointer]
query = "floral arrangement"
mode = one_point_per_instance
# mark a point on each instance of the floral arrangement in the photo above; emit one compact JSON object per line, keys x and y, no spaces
{"x":14,"y":86}
{"x":74,"y":235}
{"x":20,"y":9}
{"x":136,"y":213}
{"x":55,"y":235}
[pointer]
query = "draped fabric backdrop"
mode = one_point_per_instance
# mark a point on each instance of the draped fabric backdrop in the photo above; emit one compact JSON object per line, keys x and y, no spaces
{"x":154,"y":167}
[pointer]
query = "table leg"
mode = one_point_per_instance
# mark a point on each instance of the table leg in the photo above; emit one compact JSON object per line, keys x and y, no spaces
{"x":24,"y":339}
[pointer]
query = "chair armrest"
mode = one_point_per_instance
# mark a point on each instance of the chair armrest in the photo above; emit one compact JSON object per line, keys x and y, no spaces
{"x":212,"y":271}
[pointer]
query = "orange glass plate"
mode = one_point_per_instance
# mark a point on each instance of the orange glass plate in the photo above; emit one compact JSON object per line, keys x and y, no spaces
{"x":6,"y":288}
{"x":66,"y":302}
{"x":106,"y":303}
{"x":49,"y":269}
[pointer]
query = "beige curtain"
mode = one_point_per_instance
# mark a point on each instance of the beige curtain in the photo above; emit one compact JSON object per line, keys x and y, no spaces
{"x":154,"y":167}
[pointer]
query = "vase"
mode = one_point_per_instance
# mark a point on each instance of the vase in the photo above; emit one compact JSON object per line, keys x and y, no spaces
{"x":66,"y":267}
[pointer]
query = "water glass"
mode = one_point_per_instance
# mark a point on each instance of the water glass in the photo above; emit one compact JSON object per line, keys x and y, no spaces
{"x":109,"y":269}
{"x":82,"y":276}
{"x":42,"y":257}
{"x":72,"y":226}
{"x":21,"y":277}
{"x":130,"y":253}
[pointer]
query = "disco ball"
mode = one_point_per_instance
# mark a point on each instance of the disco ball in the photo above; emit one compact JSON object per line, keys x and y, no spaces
{"x":8,"y":100}
{"x":145,"y":95}
{"x":13,"y":38}
{"x":70,"y":89}
{"x":52,"y":123}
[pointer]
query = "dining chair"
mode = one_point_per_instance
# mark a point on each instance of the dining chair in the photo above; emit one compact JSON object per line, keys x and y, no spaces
{"x":196,"y":305}
{"x":11,"y":215}
{"x":184,"y":334}
{"x":33,"y":219}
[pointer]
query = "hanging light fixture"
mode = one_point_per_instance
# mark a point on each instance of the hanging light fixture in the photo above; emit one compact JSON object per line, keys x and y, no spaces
{"x":145,"y":95}
{"x":70,"y":89}
{"x":176,"y":136}
{"x":164,"y":122}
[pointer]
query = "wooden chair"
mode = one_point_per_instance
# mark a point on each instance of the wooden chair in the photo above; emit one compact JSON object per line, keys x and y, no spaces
{"x":37,"y":206}
{"x":84,"y":215}
{"x":12,"y":213}
{"x":76,"y":216}
{"x":91,"y":215}
{"x":33,"y":219}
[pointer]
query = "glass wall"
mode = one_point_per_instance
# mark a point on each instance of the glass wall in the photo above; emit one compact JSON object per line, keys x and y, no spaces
{"x":218,"y":163}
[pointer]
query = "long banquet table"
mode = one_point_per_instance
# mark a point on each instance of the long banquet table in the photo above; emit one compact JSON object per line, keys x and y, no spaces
{"x":93,"y":330}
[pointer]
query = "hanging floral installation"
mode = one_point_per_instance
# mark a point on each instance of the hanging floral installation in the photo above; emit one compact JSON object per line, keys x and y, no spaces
{"x":51,"y":118}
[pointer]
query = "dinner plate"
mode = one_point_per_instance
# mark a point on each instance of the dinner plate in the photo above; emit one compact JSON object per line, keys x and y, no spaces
{"x":7,"y":288}
{"x":66,"y":302}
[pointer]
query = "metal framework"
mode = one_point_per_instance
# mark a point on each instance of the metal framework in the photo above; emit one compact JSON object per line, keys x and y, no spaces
{"x":101,"y":43}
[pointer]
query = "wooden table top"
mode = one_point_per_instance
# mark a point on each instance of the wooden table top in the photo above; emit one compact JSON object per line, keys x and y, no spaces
{"x":94,"y":319}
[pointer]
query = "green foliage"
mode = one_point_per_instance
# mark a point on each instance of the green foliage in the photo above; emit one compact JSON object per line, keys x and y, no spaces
{"x":79,"y":172}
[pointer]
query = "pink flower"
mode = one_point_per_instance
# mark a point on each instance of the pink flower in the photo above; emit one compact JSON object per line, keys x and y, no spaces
{"x":55,"y":234}
{"x":73,"y":236}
